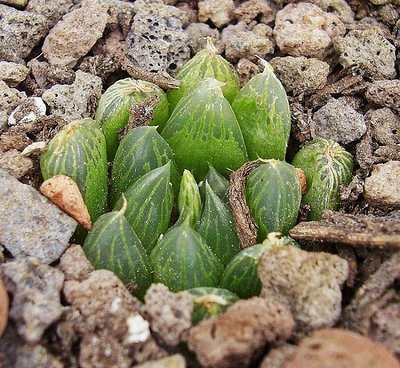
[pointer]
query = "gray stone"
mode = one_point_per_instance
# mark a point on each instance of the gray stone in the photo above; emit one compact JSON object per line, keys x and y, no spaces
{"x":10,"y":98}
{"x":15,"y":353}
{"x":35,"y":288}
{"x":30,"y":109}
{"x":382,"y":187}
{"x":385,"y":126}
{"x":29,"y":224}
{"x":340,"y":122}
{"x":121,"y":15}
{"x":157,"y":41}
{"x":20,"y":32}
{"x":74,"y":264}
{"x":308,"y":283}
{"x":242,"y":42}
{"x":385,"y":93}
{"x":170,"y":313}
{"x":29,"y":356}
{"x":300,"y":74}
{"x":53,"y":10}
{"x":304,"y":29}
{"x":370,"y":50}
{"x":75,"y":101}
{"x":75,"y":34}
{"x":198,"y":34}
{"x":220,"y":13}
{"x":250,"y":10}
{"x":47,"y":75}
{"x":15,"y":164}
{"x":12,"y":73}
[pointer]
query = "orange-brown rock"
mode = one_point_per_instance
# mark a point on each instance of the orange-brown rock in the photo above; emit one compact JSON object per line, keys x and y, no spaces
{"x":3,"y":307}
{"x":64,"y":192}
{"x":337,"y":348}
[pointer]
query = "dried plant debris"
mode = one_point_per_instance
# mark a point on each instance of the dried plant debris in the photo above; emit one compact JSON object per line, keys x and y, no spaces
{"x":64,"y":192}
{"x":170,"y":314}
{"x":238,"y":336}
{"x":161,"y":79}
{"x":338,"y":348}
{"x":308,"y":283}
{"x":375,"y":309}
{"x":245,"y":224}
{"x":35,"y":288}
{"x":4,"y":304}
{"x":354,"y":230}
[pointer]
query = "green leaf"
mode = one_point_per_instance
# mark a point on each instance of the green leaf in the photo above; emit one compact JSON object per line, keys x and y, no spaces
{"x":217,"y":227}
{"x":150,"y":202}
{"x":182,"y":260}
{"x":206,"y":63}
{"x":217,"y":183}
{"x":203,"y":129}
{"x":112,"y":244}
{"x":273,"y":196}
{"x":189,"y":200}
{"x":116,"y":103}
{"x":326,"y":165}
{"x":139,"y":152}
{"x":263,"y":113}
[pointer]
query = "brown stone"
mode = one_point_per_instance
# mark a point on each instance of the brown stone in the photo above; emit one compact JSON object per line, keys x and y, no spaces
{"x":336,"y":348}
{"x":64,"y":192}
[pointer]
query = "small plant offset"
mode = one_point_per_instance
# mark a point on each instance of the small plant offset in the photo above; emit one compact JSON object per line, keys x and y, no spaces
{"x":164,"y":213}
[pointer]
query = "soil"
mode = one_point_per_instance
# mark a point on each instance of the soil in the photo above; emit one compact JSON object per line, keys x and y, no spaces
{"x":339,"y":62}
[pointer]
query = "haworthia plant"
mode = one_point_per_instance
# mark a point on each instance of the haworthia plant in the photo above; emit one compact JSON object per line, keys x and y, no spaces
{"x":79,"y":151}
{"x":189,"y":200}
{"x":112,"y":244}
{"x":203,"y":129}
{"x":210,"y":301}
{"x":326,"y":165}
{"x":273,"y":195}
{"x":115,"y":105}
{"x":182,"y":260}
{"x":150,"y":202}
{"x":263,"y":113}
{"x":139,"y":152}
{"x":206,"y":63}
{"x":217,"y":227}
